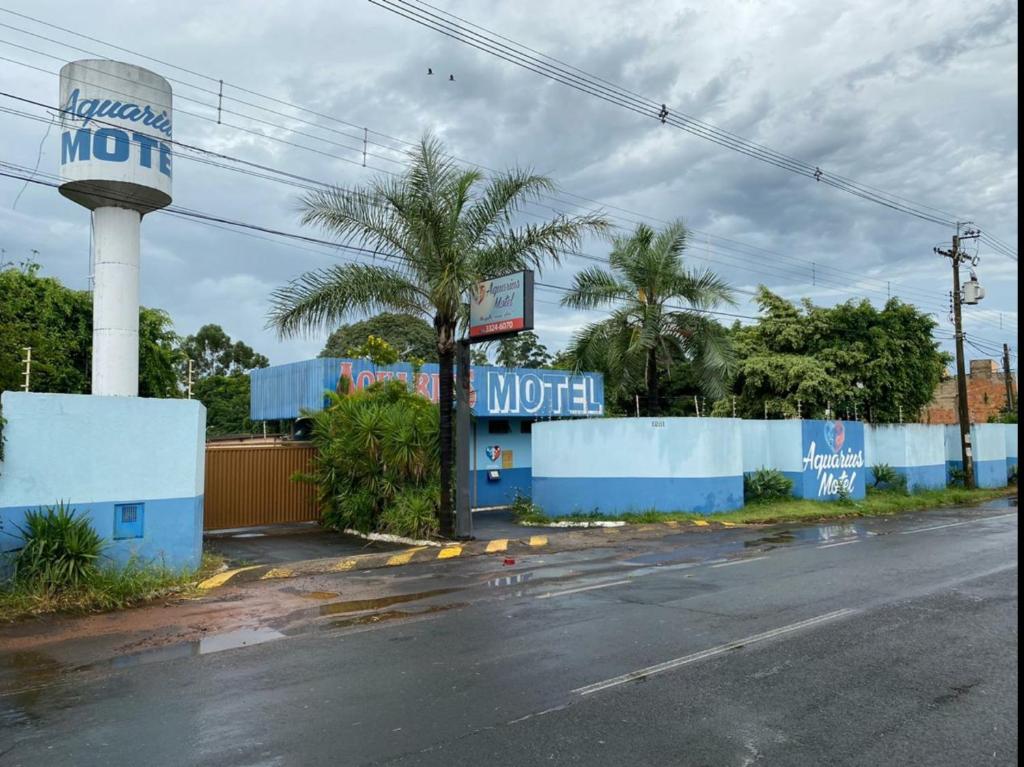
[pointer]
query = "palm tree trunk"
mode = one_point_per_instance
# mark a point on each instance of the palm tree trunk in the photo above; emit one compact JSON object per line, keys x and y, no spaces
{"x":446,"y":394}
{"x":652,"y":383}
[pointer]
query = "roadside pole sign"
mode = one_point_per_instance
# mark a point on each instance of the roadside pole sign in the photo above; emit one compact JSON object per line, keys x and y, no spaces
{"x":502,"y":306}
{"x":498,"y":308}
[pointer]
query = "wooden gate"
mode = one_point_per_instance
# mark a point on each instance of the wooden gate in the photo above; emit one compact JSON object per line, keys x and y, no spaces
{"x":250,"y":484}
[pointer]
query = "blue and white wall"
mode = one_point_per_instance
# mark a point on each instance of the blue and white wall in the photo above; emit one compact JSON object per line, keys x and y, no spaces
{"x":1010,"y":438}
{"x":615,"y":465}
{"x":509,"y":454}
{"x":915,"y":450}
{"x":988,"y":444}
{"x":133,"y":466}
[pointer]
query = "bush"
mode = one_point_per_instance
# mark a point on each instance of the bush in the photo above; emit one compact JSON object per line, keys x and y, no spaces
{"x":413,"y":513}
{"x":373,"y":447}
{"x":766,"y":485}
{"x":61,"y":550}
{"x":957,"y":478}
{"x":887,"y":478}
{"x":526,"y":511}
{"x":1011,"y":475}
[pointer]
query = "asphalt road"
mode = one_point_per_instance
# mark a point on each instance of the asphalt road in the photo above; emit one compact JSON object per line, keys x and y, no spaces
{"x":887,"y":643}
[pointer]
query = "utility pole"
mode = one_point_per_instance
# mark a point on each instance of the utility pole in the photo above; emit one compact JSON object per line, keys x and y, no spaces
{"x":28,"y":366}
{"x":956,"y":256}
{"x":1008,"y":378}
{"x":190,"y":379}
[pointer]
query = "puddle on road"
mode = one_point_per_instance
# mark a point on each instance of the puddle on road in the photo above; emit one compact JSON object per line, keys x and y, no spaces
{"x":229,"y":640}
{"x":509,"y":580}
{"x":819,"y":534}
{"x":24,"y":674}
{"x":361,"y":605}
{"x":318,"y":594}
{"x":390,"y":615}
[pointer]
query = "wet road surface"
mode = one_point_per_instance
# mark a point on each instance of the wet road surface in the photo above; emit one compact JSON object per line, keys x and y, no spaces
{"x":885,"y":641}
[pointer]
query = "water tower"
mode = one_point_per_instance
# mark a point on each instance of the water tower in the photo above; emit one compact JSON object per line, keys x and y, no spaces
{"x":115,"y":159}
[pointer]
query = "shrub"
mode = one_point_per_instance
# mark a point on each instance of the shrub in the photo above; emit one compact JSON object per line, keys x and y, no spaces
{"x":887,"y":478}
{"x":372,"y":446}
{"x":766,"y":485}
{"x":61,"y":550}
{"x":413,"y":513}
{"x":1011,"y":475}
{"x":957,"y":477}
{"x":526,"y":511}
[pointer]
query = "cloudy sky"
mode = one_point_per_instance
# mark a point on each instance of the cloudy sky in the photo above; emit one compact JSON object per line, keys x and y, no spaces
{"x":915,"y":98}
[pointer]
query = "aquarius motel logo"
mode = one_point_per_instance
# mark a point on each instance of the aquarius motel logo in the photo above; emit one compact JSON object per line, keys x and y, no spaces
{"x":834,"y":468}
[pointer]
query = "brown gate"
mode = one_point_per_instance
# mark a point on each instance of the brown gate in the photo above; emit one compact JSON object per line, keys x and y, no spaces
{"x":250,"y":484}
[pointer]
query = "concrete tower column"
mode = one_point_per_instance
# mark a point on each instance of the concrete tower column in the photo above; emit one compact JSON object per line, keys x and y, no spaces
{"x":115,"y":310}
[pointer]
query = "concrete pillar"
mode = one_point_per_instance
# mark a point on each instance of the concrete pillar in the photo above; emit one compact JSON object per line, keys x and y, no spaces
{"x":115,"y":307}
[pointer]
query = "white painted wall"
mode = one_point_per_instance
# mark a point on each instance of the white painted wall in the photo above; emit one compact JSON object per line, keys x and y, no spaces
{"x":639,"y":447}
{"x":91,"y":449}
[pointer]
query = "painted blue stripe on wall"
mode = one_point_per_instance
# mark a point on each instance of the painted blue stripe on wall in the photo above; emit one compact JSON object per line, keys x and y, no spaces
{"x":172,"y":533}
{"x":559,"y":496}
{"x":986,"y":473}
{"x":918,"y":477}
{"x":503,"y":492}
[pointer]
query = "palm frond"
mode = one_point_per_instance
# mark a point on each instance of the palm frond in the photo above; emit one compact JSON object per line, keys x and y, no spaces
{"x":505,"y":194}
{"x":594,"y":287}
{"x":321,"y":299}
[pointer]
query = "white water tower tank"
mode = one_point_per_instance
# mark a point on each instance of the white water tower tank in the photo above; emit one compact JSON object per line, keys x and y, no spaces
{"x":115,"y":159}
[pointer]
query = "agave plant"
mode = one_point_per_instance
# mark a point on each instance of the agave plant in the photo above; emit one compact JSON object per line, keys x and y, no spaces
{"x":61,"y":549}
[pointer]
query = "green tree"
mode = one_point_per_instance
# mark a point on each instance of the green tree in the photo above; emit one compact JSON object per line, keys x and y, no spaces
{"x":438,"y":229}
{"x":56,"y":322}
{"x":851,"y":358}
{"x":649,"y":330}
{"x":523,"y":350}
{"x":213,"y":353}
{"x":226,"y":399}
{"x":411,"y":336}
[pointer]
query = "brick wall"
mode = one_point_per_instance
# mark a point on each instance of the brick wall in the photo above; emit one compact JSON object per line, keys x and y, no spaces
{"x":986,"y":394}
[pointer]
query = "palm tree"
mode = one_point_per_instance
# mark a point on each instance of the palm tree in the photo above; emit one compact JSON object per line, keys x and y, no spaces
{"x":647,"y":330}
{"x":437,"y":229}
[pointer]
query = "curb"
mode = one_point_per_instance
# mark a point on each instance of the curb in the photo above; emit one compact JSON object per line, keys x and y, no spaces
{"x":432,"y":553}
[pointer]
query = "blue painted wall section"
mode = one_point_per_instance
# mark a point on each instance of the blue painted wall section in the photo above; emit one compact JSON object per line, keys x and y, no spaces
{"x":833,"y":457}
{"x":507,"y":452}
{"x":917,"y":451}
{"x":988,"y":445}
{"x":283,"y":391}
{"x":96,"y":453}
{"x":615,"y":465}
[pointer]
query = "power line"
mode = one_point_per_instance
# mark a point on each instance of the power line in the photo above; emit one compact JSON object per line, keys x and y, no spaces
{"x":645,"y":106}
{"x":309,"y":184}
{"x":858,"y":276}
{"x":314,"y":183}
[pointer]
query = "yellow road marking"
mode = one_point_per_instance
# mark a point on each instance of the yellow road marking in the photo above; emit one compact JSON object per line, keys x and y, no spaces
{"x":700,"y":522}
{"x":728,"y":524}
{"x":672,"y":523}
{"x":221,"y":578}
{"x":405,"y":556}
{"x":538,"y":540}
{"x":449,"y":551}
{"x":499,"y":544}
{"x":277,"y":572}
{"x":343,"y":565}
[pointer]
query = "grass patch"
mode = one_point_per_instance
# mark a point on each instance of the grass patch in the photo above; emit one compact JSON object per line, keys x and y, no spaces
{"x":877,"y":503}
{"x":108,"y":589}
